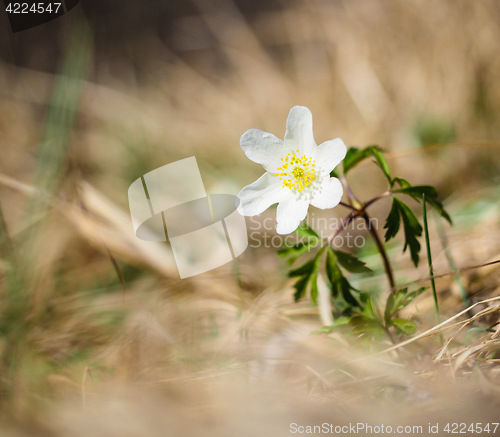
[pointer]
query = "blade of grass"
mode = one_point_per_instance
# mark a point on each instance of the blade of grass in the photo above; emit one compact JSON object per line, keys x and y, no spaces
{"x":55,"y":142}
{"x":62,"y":113}
{"x":431,"y":270}
{"x":10,"y":327}
{"x":14,"y":286}
{"x":52,"y":153}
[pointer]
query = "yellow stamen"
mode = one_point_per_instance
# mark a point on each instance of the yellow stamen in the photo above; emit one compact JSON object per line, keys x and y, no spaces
{"x":298,"y":171}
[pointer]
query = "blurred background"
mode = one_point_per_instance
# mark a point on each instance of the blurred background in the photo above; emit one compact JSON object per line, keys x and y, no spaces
{"x":94,"y":319}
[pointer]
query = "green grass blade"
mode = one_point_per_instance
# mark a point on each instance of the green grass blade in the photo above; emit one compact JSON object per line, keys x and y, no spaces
{"x":429,"y":261}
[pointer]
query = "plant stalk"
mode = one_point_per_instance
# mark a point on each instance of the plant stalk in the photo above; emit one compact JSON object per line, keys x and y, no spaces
{"x":429,"y":262}
{"x":383,"y":253}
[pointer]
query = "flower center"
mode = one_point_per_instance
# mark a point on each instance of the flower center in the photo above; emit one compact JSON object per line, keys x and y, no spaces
{"x":297,"y":172}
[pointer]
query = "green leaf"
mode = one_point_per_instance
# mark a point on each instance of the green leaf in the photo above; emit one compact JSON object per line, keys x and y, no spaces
{"x":381,"y":161}
{"x":392,"y":222}
{"x":332,"y":270}
{"x":351,"y":263}
{"x":404,"y":325}
{"x":341,"y":305}
{"x":399,"y":300}
{"x":304,"y":269}
{"x":345,"y":289}
{"x":438,"y":206}
{"x":403,"y":183}
{"x":393,"y":304}
{"x":309,"y":239}
{"x":355,"y":155}
{"x":369,"y":312}
{"x":300,"y":288}
{"x":418,"y":190}
{"x":340,"y":285}
{"x":308,"y":274}
{"x":291,"y":248}
{"x":305,"y":231}
{"x":367,"y":327}
{"x":431,"y":195}
{"x":314,"y":287}
{"x":293,"y":252}
{"x":335,"y":173}
{"x":412,"y":230}
{"x":411,"y":296}
{"x":314,"y":276}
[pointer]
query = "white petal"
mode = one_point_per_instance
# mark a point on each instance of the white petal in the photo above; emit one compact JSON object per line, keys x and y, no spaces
{"x":299,"y":131}
{"x":329,"y":154}
{"x":290,"y":212}
{"x":264,"y":148}
{"x":260,"y":195}
{"x":327,"y":193}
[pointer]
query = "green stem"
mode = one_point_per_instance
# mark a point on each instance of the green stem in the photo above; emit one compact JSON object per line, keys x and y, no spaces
{"x":383,"y":253}
{"x":429,"y":261}
{"x":359,"y":210}
{"x":344,"y":225}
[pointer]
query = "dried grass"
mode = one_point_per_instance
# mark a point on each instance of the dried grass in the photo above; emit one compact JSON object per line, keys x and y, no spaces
{"x":228,"y":352}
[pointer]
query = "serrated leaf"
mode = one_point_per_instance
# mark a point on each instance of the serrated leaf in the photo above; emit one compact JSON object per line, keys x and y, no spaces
{"x":332,"y":270}
{"x":438,"y":206}
{"x":399,"y":300}
{"x":309,"y":239}
{"x":308,"y":274}
{"x":369,"y":312}
{"x":394,"y":304}
{"x":289,"y":249}
{"x":404,"y":325}
{"x":293,"y":252}
{"x":351,"y":263}
{"x":418,"y":190}
{"x":346,"y":290}
{"x":412,"y":230}
{"x":381,"y":161}
{"x":314,"y":287}
{"x":393,"y":222}
{"x":314,"y":276}
{"x":389,"y":308}
{"x":300,"y":288}
{"x":340,"y":285}
{"x":414,"y":294}
{"x":304,"y":269}
{"x":431,"y":194}
{"x":367,"y":327}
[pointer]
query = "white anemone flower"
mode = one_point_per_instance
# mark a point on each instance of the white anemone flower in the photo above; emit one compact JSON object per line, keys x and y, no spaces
{"x":297,"y":171}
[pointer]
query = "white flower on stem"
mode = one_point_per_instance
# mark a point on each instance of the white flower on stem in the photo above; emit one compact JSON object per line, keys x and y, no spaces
{"x":297,"y":171}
